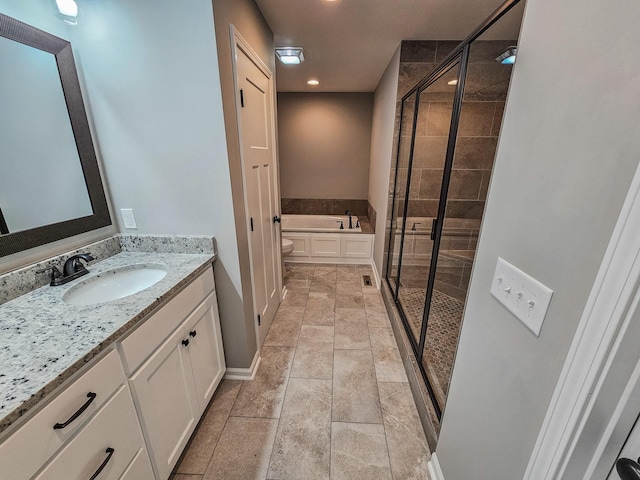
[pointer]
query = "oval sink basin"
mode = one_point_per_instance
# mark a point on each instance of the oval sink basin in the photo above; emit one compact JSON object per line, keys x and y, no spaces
{"x":114,"y":284}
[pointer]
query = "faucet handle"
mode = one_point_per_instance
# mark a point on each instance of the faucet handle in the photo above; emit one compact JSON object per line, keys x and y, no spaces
{"x":55,"y":273}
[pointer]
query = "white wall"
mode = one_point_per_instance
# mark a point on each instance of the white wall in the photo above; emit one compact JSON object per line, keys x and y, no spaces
{"x":566,"y":155}
{"x":384,"y":114}
{"x":151,"y":84}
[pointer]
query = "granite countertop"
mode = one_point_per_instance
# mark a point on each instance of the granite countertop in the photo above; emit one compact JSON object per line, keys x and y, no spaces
{"x":45,"y":340}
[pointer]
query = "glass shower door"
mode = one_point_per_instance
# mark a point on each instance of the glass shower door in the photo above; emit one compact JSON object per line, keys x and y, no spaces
{"x":422,"y":193}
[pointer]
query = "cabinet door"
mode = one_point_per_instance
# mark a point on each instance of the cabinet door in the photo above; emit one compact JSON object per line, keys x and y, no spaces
{"x":108,"y":444}
{"x":167,"y":402}
{"x":205,"y":349}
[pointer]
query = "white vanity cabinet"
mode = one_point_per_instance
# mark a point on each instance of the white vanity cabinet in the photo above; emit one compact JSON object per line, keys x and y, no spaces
{"x":97,"y":412}
{"x":180,"y":375}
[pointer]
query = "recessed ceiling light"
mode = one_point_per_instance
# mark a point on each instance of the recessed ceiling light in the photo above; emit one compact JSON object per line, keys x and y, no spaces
{"x":313,"y":82}
{"x":452,"y":82}
{"x":290,"y":55}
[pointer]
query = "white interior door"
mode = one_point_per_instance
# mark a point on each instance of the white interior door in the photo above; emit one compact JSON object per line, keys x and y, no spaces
{"x":256,"y":126}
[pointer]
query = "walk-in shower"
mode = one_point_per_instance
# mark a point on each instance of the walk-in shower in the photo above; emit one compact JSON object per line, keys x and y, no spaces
{"x":447,"y":134}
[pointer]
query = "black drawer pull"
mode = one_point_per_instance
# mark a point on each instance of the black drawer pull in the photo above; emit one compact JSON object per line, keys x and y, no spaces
{"x":92,"y":397}
{"x":109,"y":451}
{"x":185,"y":342}
{"x":192,"y":333}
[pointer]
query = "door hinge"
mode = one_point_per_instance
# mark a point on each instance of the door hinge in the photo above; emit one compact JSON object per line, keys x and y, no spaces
{"x":252,"y":224}
{"x":242,"y":98}
{"x":259,"y":321}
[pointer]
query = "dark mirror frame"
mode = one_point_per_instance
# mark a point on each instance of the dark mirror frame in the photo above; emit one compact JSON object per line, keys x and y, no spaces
{"x":13,"y":29}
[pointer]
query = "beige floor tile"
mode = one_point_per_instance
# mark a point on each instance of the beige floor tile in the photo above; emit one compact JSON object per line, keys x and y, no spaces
{"x":263,"y":396}
{"x":355,"y":392}
{"x":349,"y":273}
{"x":386,"y":357}
{"x":327,"y":274}
{"x":302,"y":448}
{"x":200,"y":448}
{"x":349,"y":300}
{"x":285,"y":327}
{"x":314,"y":353}
{"x":378,"y":318}
{"x":185,"y":476}
{"x":382,"y":337}
{"x":320,"y":285}
{"x":244,"y":449}
{"x":372,"y":300}
{"x":359,"y":452}
{"x":301,"y":284}
{"x":295,"y":298}
{"x":408,"y":449}
{"x":357,"y":315}
{"x":351,"y":333}
{"x":348,"y":287}
{"x":320,"y":309}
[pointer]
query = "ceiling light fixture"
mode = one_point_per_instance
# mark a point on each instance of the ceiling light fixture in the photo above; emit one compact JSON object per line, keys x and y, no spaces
{"x":69,"y":10}
{"x":508,"y":57}
{"x":313,"y":82}
{"x":290,"y":55}
{"x":452,"y":82}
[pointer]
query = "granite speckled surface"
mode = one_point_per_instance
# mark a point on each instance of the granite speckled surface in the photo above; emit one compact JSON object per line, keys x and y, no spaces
{"x":45,"y":340}
{"x":25,"y":280}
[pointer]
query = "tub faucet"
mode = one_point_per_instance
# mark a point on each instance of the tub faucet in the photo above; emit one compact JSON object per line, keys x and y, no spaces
{"x":350,"y":221}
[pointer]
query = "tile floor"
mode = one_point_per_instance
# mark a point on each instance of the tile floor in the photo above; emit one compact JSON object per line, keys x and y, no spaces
{"x":330,"y":399}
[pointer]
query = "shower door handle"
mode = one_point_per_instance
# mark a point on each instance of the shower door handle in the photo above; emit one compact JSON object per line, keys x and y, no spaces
{"x":434,"y":223}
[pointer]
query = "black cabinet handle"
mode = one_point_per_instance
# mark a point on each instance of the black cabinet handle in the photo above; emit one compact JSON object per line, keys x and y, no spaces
{"x":92,"y":397}
{"x":628,"y":469}
{"x":192,"y":333}
{"x":276,"y":219}
{"x":109,"y":453}
{"x":185,"y":342}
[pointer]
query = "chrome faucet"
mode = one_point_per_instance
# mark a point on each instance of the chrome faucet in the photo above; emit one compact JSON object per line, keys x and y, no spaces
{"x":350,"y":222}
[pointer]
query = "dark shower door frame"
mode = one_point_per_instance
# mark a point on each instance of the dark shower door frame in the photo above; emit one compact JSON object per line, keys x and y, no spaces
{"x":459,"y":54}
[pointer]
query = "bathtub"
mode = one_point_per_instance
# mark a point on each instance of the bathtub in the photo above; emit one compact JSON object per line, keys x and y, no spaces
{"x":319,"y":223}
{"x":319,"y":239}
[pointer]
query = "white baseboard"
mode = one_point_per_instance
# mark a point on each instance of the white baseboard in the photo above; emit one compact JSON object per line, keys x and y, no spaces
{"x":376,"y":275}
{"x":244,"y":373}
{"x":434,"y":468}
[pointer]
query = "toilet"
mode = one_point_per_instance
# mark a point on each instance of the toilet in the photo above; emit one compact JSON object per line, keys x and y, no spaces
{"x":287,"y":246}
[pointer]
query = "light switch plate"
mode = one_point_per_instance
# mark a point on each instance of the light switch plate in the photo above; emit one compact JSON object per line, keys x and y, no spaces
{"x":521,"y":294}
{"x":128,"y":217}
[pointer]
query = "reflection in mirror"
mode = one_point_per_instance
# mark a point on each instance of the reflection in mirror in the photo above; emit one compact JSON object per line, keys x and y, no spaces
{"x":50,"y":185}
{"x":40,"y":156}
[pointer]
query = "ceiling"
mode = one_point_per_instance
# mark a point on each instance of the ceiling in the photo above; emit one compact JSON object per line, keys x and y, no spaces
{"x":349,"y":43}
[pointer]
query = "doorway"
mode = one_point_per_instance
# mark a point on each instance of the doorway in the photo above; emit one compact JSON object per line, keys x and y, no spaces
{"x":447,"y":137}
{"x":256,"y":119}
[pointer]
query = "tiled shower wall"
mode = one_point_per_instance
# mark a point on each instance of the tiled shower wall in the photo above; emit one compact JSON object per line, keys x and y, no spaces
{"x":324,"y":206}
{"x":480,"y":120}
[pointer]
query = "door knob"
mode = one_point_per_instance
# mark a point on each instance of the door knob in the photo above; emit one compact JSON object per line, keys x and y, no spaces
{"x":628,"y":469}
{"x":276,"y":219}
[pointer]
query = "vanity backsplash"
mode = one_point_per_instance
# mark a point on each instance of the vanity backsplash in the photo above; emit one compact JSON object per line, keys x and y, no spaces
{"x":24,"y":280}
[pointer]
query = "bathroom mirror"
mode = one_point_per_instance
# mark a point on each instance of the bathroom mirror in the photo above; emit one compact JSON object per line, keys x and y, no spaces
{"x":50,"y":185}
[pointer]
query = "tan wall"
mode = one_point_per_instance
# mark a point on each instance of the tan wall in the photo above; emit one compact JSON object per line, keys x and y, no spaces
{"x":249,"y":22}
{"x":324,"y":141}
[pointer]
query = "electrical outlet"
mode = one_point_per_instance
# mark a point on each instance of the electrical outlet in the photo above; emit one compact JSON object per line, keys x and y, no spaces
{"x":128,"y":218}
{"x":521,"y":294}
